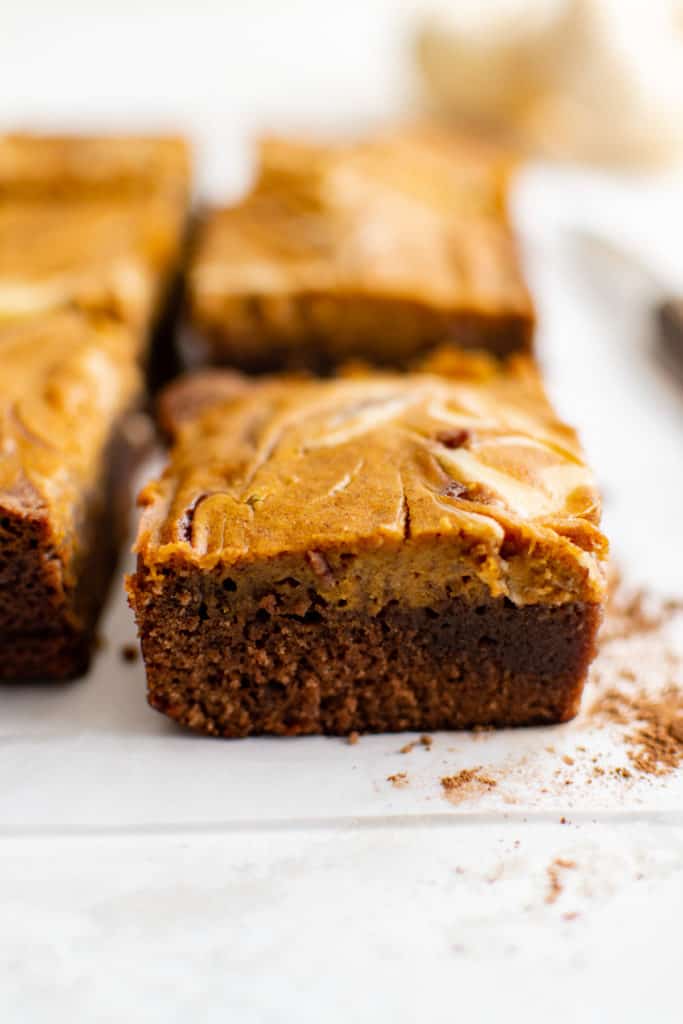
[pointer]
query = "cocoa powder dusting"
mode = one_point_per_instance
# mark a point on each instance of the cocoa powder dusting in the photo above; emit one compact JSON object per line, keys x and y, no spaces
{"x":554,"y":870}
{"x":654,"y":737}
{"x":643,"y":698}
{"x":399,"y":779}
{"x":632,"y":612}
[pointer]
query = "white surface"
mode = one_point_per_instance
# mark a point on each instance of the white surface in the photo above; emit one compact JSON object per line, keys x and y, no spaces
{"x":148,"y":874}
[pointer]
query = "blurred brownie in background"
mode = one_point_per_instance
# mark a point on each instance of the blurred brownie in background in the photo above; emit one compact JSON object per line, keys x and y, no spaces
{"x":377,"y":249}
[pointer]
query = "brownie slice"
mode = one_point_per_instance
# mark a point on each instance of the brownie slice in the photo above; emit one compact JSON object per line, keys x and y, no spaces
{"x":376,"y":552}
{"x":66,"y":385}
{"x":377,"y":249}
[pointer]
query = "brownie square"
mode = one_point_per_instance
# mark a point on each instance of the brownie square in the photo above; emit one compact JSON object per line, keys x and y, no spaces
{"x":377,"y":249}
{"x":376,"y":552}
{"x":66,"y":385}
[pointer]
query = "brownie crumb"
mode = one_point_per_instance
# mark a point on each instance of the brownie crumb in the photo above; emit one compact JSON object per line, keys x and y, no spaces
{"x":424,"y":741}
{"x":130,"y":652}
{"x":352,"y":738}
{"x":554,"y":877}
{"x":466,"y":783}
{"x":399,"y":779}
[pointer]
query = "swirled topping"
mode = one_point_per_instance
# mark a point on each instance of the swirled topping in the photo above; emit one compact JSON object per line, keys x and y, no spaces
{"x":103,"y":254}
{"x":65,"y":380}
{"x":474,"y":468}
{"x":414,"y":216}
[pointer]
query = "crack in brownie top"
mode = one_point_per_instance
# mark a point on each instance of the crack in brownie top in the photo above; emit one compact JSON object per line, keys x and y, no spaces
{"x":413,"y":215}
{"x":65,"y":378}
{"x":476,"y":462}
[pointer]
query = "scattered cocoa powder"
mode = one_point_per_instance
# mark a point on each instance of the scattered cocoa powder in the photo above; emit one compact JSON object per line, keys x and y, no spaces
{"x":399,"y":779}
{"x":654,"y":735}
{"x":466,"y":783}
{"x":631,"y":612}
{"x":636,"y":683}
{"x":553,"y":871}
{"x":424,"y":741}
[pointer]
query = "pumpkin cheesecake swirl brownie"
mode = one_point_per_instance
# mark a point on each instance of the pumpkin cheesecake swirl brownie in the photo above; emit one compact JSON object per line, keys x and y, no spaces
{"x":380,"y":249}
{"x":66,"y":384}
{"x":376,"y":552}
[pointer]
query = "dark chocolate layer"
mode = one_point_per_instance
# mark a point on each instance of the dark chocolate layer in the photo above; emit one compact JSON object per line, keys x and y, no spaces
{"x":327,"y":670}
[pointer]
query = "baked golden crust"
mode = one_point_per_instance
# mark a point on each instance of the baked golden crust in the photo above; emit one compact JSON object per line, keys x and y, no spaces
{"x":66,"y":379}
{"x":34,"y":165}
{"x":333,"y":240}
{"x":471,"y":476}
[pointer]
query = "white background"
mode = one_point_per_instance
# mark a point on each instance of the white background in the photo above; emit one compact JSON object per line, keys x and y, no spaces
{"x":150,"y":875}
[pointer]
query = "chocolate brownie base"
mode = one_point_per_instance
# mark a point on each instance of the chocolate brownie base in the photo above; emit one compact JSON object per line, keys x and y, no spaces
{"x":48,"y":611}
{"x":391,"y":334}
{"x":327,"y":670}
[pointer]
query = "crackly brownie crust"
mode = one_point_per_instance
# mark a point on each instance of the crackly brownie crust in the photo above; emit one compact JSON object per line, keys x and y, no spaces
{"x":67,"y":385}
{"x":376,"y":552}
{"x":380,"y":249}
